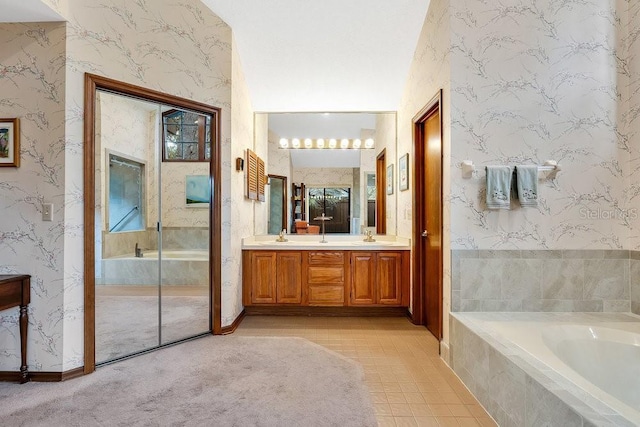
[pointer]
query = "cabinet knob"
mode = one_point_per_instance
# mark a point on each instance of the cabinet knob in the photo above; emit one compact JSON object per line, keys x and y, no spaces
{"x":425,"y":234}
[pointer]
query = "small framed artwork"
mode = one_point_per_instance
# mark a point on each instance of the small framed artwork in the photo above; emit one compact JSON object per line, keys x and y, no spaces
{"x":10,"y":142}
{"x":390,"y":179}
{"x":403,"y":172}
{"x":197,"y":191}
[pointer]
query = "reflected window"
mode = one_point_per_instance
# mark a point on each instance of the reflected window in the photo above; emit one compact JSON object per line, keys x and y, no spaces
{"x":186,"y":136}
{"x":333,"y":202}
{"x":126,"y":194}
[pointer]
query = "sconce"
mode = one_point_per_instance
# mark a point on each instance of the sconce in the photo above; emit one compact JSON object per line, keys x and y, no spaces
{"x":239,"y":164}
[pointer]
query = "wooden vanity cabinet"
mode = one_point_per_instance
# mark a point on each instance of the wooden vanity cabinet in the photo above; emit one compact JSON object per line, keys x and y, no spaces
{"x":377,"y":278}
{"x":275,"y":277}
{"x":326,"y":278}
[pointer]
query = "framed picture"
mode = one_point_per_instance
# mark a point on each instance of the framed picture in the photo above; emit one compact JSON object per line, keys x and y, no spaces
{"x":9,"y":142}
{"x":197,"y":191}
{"x":403,"y":172}
{"x":390,"y":179}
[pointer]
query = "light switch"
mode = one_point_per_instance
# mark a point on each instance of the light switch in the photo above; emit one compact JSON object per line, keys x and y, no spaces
{"x":47,"y":211}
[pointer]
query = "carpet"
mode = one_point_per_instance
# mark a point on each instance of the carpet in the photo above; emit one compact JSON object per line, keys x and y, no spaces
{"x":212,"y":381}
{"x":129,"y":324}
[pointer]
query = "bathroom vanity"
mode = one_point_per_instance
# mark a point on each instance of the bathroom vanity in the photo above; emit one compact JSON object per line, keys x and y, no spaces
{"x":344,"y":272}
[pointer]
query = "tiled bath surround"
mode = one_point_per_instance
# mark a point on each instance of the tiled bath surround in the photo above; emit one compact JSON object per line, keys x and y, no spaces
{"x":546,"y":280}
{"x":514,"y":387}
{"x":173,"y":238}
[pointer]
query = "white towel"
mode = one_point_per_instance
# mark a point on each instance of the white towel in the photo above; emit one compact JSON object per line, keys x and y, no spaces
{"x":527,"y":184}
{"x":499,"y":187}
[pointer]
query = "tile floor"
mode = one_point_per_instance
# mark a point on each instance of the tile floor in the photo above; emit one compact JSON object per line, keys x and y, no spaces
{"x":410,"y":385}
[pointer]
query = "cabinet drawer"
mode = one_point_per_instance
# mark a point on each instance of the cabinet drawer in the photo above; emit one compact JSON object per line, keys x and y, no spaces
{"x":324,"y":258}
{"x":326,"y":295}
{"x":325,"y":275}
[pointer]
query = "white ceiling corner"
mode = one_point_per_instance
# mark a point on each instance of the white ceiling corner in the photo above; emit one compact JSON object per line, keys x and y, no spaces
{"x":329,"y":55}
{"x":27,"y":11}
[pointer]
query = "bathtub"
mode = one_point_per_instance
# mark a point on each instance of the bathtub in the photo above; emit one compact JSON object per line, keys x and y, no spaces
{"x":585,"y":367}
{"x":179,"y":267}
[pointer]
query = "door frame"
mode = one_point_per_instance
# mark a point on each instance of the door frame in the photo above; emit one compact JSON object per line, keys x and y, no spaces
{"x":381,"y":192}
{"x":92,"y":83}
{"x":419,"y":207}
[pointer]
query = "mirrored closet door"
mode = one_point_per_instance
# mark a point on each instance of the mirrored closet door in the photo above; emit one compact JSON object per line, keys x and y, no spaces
{"x":152,"y":225}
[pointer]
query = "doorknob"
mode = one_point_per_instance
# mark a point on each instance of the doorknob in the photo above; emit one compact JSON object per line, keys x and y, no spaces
{"x":425,"y":233}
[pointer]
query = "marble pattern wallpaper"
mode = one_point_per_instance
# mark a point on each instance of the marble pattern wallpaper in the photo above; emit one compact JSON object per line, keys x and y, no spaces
{"x":180,"y":48}
{"x":32,"y":77}
{"x":240,"y":210}
{"x":529,"y":84}
{"x":323,"y":177}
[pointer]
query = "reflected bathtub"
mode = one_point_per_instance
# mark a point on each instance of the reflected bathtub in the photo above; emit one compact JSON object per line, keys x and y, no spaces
{"x":179,"y":267}
{"x":588,"y":364}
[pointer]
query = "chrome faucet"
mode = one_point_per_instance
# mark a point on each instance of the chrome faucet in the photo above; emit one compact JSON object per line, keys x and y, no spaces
{"x":138,"y":251}
{"x":369,"y":237}
{"x":281,"y":236}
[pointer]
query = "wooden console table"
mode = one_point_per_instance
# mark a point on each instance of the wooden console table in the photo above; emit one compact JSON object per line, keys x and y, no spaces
{"x":15,"y":291}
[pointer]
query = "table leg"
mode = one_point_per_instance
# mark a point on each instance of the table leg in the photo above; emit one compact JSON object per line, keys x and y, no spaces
{"x":24,"y":322}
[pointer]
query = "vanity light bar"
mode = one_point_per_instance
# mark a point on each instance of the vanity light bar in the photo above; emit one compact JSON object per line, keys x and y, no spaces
{"x":321,"y":143}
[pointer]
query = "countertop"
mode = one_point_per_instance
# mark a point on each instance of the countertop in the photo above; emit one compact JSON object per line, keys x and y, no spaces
{"x":343,"y":242}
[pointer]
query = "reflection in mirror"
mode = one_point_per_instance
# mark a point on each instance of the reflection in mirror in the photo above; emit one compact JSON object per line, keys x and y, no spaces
{"x":320,"y":169}
{"x":277,"y":203}
{"x":152,"y":246}
{"x":370,"y":179}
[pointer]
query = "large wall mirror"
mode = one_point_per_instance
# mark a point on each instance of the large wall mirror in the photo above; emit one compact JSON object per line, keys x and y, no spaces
{"x":152,"y":220}
{"x":329,"y":161}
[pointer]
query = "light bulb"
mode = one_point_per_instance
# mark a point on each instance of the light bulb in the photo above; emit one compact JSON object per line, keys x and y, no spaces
{"x":320,"y":143}
{"x":308,"y":143}
{"x":333,"y":143}
{"x":344,"y":143}
{"x":356,"y":143}
{"x":295,"y":143}
{"x":368,"y":143}
{"x":284,"y":142}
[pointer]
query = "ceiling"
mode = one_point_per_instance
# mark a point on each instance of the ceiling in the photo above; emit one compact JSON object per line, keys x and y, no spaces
{"x":27,"y":11}
{"x":328,"y":55}
{"x":308,"y":55}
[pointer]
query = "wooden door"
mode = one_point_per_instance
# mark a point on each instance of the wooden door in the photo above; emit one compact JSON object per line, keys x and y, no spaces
{"x":289,"y":278}
{"x":389,"y":278}
{"x":263,"y":277}
{"x":427,"y":197}
{"x":381,"y":193}
{"x":363,"y":278}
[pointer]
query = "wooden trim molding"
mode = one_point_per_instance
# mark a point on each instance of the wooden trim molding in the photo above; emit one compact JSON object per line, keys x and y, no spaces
{"x":92,"y":83}
{"x":44,"y":377}
{"x":327,"y":311}
{"x":232,"y":327}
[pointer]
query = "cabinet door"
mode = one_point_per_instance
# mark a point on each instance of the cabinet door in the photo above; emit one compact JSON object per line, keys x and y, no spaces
{"x":363,"y":278}
{"x":263,"y":277}
{"x":388,"y":278}
{"x":289,"y":278}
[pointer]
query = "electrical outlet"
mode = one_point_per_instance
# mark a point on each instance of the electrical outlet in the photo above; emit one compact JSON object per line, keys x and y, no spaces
{"x":47,"y":211}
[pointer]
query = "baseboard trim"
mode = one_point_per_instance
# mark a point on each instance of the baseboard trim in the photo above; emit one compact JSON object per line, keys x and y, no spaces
{"x":328,"y":311}
{"x":226,"y":330}
{"x":44,"y":377}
